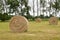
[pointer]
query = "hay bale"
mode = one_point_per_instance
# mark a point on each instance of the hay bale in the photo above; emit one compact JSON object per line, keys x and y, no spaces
{"x":18,"y":24}
{"x":53,"y":21}
{"x":38,"y":20}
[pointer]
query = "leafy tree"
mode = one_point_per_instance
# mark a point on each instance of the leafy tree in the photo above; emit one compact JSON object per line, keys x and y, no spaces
{"x":43,"y":4}
{"x":1,"y":6}
{"x":3,"y":17}
{"x":13,"y":6}
{"x":56,"y":6}
{"x":33,"y":8}
{"x":49,"y":8}
{"x":37,"y":8}
{"x":27,"y":8}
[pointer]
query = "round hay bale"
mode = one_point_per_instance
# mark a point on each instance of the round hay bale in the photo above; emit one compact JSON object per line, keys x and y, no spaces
{"x":53,"y":21}
{"x":38,"y":20}
{"x":18,"y":24}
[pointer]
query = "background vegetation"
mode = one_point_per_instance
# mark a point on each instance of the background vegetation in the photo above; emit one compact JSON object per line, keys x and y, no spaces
{"x":21,"y":7}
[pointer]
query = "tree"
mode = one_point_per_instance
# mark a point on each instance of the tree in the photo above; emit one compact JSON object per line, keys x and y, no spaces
{"x":50,"y":7}
{"x":33,"y":8}
{"x":1,"y":6}
{"x":37,"y":9}
{"x":40,"y":8}
{"x":27,"y":9}
{"x":56,"y":6}
{"x":14,"y":4}
{"x":43,"y":4}
{"x":22,"y":3}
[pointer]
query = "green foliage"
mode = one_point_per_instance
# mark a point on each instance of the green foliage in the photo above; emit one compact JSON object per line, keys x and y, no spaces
{"x":0,"y":16}
{"x":26,"y":8}
{"x":29,"y":17}
{"x":42,"y":2}
{"x":13,"y":5}
{"x":56,"y":5}
{"x":16,"y":6}
{"x":51,"y":15}
{"x":41,"y":16}
{"x":4,"y":17}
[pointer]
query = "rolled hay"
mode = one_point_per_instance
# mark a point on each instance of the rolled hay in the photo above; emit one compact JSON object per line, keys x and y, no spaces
{"x":18,"y":24}
{"x":53,"y":21}
{"x":38,"y":20}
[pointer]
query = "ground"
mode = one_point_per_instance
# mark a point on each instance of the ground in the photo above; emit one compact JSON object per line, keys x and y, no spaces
{"x":36,"y":31}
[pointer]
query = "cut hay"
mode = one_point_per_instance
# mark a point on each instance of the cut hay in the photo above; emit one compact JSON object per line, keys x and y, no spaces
{"x":38,"y":20}
{"x":53,"y":21}
{"x":18,"y":24}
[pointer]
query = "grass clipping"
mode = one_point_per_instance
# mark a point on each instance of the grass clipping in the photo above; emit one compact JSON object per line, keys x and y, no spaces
{"x":38,"y":20}
{"x":18,"y":24}
{"x":53,"y":21}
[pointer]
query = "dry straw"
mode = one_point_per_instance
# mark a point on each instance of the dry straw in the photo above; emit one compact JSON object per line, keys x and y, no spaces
{"x":18,"y":24}
{"x":38,"y":20}
{"x":53,"y":21}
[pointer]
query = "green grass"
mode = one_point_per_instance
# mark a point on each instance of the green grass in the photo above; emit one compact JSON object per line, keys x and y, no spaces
{"x":36,"y":31}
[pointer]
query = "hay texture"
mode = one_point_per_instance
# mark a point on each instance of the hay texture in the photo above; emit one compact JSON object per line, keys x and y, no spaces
{"x":38,"y":20}
{"x":53,"y":21}
{"x":18,"y":24}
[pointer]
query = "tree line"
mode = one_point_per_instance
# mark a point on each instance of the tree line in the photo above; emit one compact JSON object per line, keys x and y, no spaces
{"x":21,"y":7}
{"x":17,"y":7}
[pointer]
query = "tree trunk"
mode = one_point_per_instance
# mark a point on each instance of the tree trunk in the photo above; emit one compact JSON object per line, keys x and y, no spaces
{"x":40,"y":8}
{"x":37,"y":8}
{"x":33,"y":8}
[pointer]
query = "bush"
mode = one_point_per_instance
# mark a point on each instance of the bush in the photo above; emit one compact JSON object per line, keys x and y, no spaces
{"x":41,"y":16}
{"x":0,"y":16}
{"x":5,"y":16}
{"x":31,"y":18}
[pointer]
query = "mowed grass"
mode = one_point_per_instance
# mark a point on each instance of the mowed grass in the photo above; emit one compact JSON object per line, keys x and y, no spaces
{"x":36,"y":31}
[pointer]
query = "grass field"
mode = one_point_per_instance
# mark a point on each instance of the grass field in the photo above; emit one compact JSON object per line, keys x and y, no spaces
{"x":36,"y":31}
